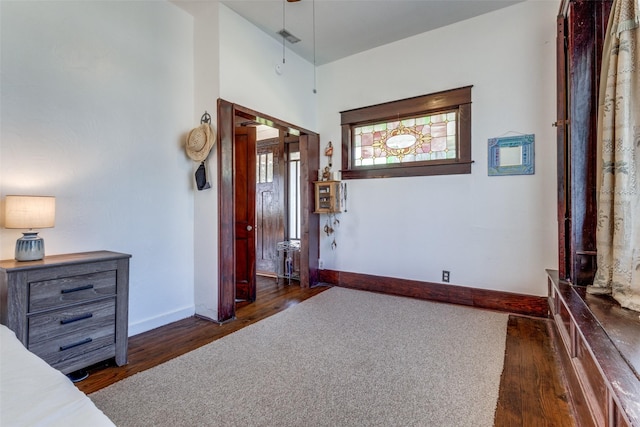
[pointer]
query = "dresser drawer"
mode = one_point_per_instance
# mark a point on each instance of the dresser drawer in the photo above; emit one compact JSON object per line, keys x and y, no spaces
{"x":59,"y":292}
{"x":86,"y":318}
{"x":61,"y":352}
{"x":63,"y":334}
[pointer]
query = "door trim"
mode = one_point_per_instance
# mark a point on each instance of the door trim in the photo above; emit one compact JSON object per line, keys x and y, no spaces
{"x":310,"y":223}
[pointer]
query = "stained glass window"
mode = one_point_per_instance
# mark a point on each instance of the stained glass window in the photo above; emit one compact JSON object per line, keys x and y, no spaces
{"x":424,"y":135}
{"x":418,"y":139}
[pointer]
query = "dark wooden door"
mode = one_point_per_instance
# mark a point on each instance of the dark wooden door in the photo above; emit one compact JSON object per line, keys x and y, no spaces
{"x":245,"y":212}
{"x":269,"y":204}
{"x":581,"y":31}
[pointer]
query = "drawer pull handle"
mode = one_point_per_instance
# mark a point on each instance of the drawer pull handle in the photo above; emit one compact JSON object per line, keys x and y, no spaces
{"x":68,"y":346}
{"x":77,"y":318}
{"x":79,"y":288}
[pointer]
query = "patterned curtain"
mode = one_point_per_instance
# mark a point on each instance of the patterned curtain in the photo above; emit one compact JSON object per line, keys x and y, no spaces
{"x":618,"y":228}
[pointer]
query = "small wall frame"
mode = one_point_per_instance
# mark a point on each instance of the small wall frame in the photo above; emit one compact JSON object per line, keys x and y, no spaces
{"x":512,"y":155}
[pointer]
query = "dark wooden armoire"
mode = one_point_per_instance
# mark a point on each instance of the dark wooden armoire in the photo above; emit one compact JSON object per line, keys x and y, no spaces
{"x":596,"y":338}
{"x":582,"y":25}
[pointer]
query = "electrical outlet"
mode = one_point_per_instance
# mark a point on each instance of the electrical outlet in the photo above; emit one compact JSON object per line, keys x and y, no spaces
{"x":445,"y":276}
{"x":320,"y":263}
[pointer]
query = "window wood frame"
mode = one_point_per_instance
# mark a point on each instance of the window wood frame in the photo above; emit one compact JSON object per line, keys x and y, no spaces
{"x":455,"y":99}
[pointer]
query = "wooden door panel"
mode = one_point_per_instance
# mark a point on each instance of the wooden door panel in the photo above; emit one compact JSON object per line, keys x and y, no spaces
{"x":242,"y":265}
{"x":269,"y":205}
{"x":269,"y":219}
{"x":245,"y":211}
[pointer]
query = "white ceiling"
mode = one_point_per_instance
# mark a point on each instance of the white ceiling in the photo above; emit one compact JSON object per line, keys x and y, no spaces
{"x":346,"y":27}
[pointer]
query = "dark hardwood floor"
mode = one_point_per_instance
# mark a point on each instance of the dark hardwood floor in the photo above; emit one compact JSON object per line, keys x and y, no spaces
{"x":532,"y":390}
{"x":532,"y":387}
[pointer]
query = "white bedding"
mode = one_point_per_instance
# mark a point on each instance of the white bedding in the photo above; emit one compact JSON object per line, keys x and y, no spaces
{"x":32,"y":393}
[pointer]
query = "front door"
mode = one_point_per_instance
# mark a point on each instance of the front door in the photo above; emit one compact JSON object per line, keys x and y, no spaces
{"x":269,"y":205}
{"x":245,"y":212}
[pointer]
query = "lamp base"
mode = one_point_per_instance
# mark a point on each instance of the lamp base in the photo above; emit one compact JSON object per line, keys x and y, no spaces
{"x":30,"y":247}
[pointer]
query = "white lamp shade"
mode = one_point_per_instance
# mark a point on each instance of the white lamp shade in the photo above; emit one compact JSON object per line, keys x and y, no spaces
{"x":29,"y":212}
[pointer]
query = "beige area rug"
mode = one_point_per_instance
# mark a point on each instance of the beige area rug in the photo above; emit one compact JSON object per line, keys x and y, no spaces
{"x":341,"y":358}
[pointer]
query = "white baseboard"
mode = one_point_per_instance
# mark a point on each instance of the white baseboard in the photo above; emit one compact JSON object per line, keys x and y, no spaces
{"x":155,"y":322}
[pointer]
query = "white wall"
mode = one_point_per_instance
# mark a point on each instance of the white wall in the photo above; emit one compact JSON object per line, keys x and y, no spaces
{"x":96,"y":98}
{"x":206,"y":93}
{"x":490,"y":232}
{"x":236,"y":61}
{"x":247,"y":73}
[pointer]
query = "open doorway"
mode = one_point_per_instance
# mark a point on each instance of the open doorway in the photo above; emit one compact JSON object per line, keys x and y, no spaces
{"x":234,"y":144}
{"x":277,"y":196}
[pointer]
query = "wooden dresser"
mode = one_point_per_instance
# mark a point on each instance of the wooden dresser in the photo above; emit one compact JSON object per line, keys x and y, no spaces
{"x":71,"y":310}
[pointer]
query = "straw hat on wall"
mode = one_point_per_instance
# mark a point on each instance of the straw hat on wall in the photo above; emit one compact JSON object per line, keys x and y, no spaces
{"x":199,"y":142}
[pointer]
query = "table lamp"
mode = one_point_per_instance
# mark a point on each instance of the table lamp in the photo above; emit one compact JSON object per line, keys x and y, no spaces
{"x":29,"y":212}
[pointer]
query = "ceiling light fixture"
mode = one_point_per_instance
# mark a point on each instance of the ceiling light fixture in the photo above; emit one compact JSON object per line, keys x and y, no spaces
{"x":314,"y":47}
{"x":281,"y":32}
